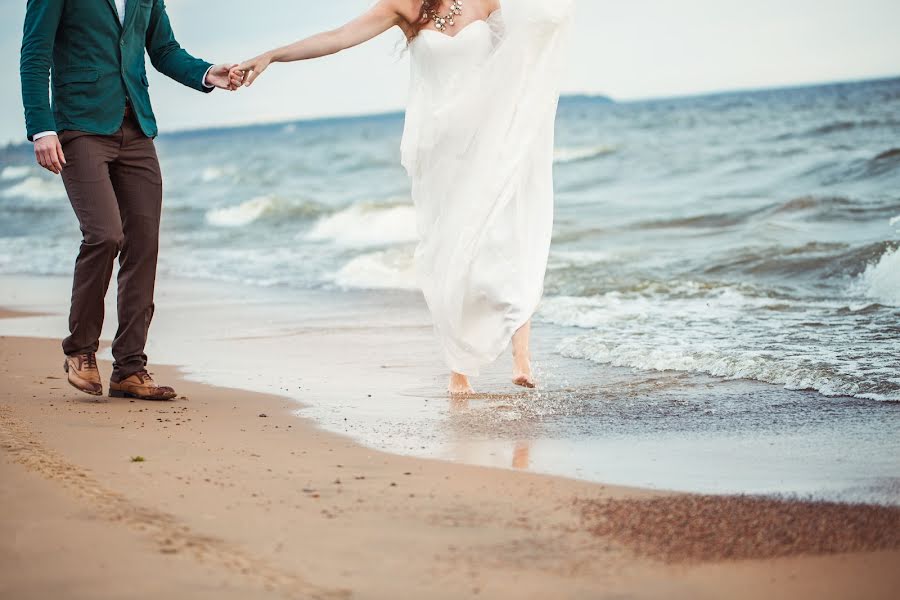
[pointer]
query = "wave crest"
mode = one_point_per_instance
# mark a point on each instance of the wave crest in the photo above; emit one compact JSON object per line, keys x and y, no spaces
{"x":392,"y":269}
{"x":250,"y":211}
{"x":732,"y":331}
{"x":364,"y":225}
{"x":892,"y":153}
{"x":36,"y":188}
{"x":793,"y":374}
{"x":216,"y":173}
{"x":566,"y":155}
{"x":12,"y":173}
{"x":881,"y":280}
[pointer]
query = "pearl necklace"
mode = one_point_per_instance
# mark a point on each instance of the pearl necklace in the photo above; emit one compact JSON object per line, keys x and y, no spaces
{"x":441,"y":22}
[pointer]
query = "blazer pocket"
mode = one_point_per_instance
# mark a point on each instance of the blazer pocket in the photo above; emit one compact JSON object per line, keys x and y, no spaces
{"x":78,"y":76}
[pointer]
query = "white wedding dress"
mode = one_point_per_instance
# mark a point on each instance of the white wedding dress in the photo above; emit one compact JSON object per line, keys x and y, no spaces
{"x":478,"y":147}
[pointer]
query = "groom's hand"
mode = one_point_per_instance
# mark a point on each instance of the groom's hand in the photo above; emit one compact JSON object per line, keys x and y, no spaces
{"x":225,"y":77}
{"x":49,"y":153}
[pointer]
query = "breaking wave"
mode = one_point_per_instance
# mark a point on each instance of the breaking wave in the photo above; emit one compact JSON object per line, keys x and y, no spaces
{"x":367,"y":224}
{"x":565,"y":155}
{"x":263,"y":206}
{"x":37,"y":189}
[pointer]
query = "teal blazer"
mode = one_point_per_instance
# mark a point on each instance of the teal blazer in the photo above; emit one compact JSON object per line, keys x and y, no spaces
{"x":96,"y":63}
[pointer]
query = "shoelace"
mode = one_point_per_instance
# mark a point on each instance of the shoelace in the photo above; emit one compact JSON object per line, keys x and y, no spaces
{"x":144,"y":376}
{"x":89,"y":360}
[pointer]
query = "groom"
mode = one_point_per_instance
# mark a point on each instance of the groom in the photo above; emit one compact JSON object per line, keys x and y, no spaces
{"x":98,"y":133}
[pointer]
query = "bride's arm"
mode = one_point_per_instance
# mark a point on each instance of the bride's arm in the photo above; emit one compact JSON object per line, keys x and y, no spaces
{"x":373,"y":23}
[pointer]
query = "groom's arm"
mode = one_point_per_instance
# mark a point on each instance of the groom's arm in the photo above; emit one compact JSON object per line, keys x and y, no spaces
{"x":167,"y":55}
{"x":42,"y":19}
{"x":39,"y":33}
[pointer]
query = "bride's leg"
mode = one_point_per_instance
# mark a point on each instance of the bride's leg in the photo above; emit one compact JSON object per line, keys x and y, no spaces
{"x":522,"y":357}
{"x":459,"y":385}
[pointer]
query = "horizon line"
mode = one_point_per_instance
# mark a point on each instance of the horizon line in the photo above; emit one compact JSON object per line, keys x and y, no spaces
{"x":11,"y":143}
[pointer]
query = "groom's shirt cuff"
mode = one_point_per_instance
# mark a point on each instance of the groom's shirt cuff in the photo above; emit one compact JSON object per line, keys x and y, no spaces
{"x":205,"y":75}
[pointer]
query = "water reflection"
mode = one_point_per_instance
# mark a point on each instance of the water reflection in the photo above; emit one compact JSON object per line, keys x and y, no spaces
{"x":522,"y":455}
{"x":462,"y":412}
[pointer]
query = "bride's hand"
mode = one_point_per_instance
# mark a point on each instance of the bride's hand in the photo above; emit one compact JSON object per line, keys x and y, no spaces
{"x":254,"y":67}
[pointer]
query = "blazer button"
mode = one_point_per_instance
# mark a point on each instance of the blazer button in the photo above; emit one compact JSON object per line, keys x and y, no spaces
{"x":122,"y":43}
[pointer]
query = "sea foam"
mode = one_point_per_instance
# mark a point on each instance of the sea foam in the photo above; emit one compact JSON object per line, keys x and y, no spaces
{"x":563,"y":259}
{"x":794,"y":374}
{"x":733,"y":332}
{"x":654,"y":303}
{"x":252,"y":210}
{"x":211,"y":174}
{"x":881,"y":280}
{"x":565,"y":155}
{"x":392,"y":269}
{"x":364,"y":225}
{"x":12,"y":173}
{"x":36,"y":188}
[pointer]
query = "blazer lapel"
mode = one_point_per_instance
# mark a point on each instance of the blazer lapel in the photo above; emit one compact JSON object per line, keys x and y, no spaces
{"x":131,"y":9}
{"x":115,"y":12}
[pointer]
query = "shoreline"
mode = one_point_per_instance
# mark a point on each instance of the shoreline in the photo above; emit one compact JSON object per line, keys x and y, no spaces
{"x":237,"y":493}
{"x":364,"y":365}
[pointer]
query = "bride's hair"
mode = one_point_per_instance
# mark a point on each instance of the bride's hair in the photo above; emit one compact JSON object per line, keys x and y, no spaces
{"x":422,"y":21}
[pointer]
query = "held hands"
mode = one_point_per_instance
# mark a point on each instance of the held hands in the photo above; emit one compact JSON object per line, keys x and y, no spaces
{"x":49,"y":154}
{"x":225,"y":77}
{"x":232,"y":77}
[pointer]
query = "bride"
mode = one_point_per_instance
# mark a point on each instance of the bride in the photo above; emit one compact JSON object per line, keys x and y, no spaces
{"x":478,"y":148}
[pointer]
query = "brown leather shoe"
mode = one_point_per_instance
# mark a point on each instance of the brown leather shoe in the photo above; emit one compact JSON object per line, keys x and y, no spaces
{"x":141,"y":386}
{"x":82,"y":373}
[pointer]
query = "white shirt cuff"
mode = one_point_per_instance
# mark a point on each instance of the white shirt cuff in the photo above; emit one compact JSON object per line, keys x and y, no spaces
{"x":38,"y":136}
{"x":206,"y":85}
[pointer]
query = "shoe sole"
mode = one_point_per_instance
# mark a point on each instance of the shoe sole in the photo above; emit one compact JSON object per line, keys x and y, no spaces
{"x":121,"y":394}
{"x":82,"y":390}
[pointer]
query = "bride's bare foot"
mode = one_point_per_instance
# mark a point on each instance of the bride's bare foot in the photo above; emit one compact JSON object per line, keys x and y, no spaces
{"x":522,"y":374}
{"x":459,"y":385}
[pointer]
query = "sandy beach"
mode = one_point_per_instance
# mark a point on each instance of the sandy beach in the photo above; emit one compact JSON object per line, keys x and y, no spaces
{"x":236,"y":497}
{"x":694,"y":257}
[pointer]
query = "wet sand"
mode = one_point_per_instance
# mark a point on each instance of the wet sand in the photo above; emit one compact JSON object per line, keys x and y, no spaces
{"x":365,"y":365}
{"x":238,"y":497}
{"x":6,"y":313}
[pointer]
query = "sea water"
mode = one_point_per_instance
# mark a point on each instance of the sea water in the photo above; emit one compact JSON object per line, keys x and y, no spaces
{"x":742,"y":249}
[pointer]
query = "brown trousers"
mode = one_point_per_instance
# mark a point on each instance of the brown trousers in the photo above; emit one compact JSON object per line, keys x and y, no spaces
{"x":115,"y":187}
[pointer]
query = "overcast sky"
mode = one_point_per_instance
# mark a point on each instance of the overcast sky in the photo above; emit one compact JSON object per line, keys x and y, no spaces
{"x":633,"y":49}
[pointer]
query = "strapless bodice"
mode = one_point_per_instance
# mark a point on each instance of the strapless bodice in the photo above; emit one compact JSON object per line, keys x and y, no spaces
{"x":439,"y":59}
